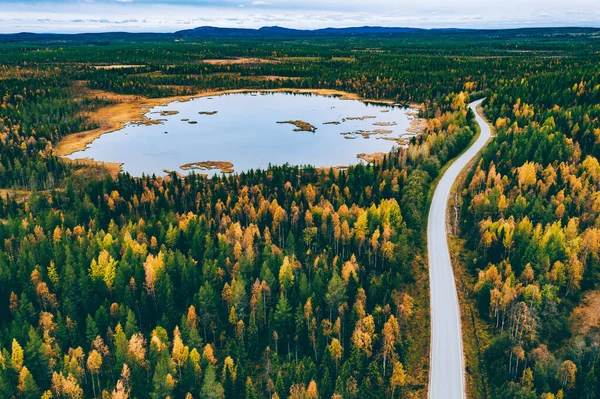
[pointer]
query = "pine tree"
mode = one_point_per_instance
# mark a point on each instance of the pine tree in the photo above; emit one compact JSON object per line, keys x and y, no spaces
{"x":28,"y":389}
{"x":282,"y":317}
{"x":211,"y":389}
{"x":250,"y":390}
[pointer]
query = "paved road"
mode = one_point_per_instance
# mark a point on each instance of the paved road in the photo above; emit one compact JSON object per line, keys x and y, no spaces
{"x":446,"y":377}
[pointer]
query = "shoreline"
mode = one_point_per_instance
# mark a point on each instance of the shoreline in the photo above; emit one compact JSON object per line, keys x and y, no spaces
{"x":133,"y":109}
{"x":112,"y":168}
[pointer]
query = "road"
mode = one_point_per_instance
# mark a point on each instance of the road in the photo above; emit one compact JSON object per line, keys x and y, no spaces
{"x":446,"y":376}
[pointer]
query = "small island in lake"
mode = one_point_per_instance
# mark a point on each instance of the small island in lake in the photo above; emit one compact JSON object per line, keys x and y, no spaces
{"x":360,"y":118}
{"x":168,"y":113}
{"x":223,"y":166}
{"x":301,"y":126}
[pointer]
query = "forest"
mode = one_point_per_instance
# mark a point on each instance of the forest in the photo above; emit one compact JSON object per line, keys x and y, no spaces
{"x":294,"y":282}
{"x":531,"y":219}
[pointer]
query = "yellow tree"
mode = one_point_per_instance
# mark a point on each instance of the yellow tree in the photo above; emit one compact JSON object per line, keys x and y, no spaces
{"x":566,"y":374}
{"x":137,"y":348}
{"x":398,"y":378}
{"x":94,"y":364}
{"x":120,"y":391}
{"x":195,"y":360}
{"x":229,"y":366}
{"x":391,"y":335}
{"x":180,"y":352}
{"x":404,"y":305}
{"x":375,"y":244}
{"x":208,"y":354}
{"x":311,"y":391}
{"x":459,"y":101}
{"x":336,"y":351}
{"x":152,"y":268}
{"x":66,"y":387}
{"x":73,"y":363}
{"x":104,"y":268}
{"x":311,"y":324}
{"x":527,"y":175}
{"x":286,"y":274}
{"x":360,"y":229}
{"x":527,"y":379}
{"x":362,"y":337}
{"x":16,"y":355}
{"x":350,"y":269}
{"x":574,"y":273}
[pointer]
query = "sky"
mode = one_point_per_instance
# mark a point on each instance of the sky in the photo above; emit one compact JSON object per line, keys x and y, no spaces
{"x":75,"y":16}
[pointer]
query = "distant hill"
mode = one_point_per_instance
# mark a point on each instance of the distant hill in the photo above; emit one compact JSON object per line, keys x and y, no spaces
{"x":279,"y":31}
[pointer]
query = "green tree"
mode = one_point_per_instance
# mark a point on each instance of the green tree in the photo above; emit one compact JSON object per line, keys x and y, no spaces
{"x":336,"y":293}
{"x":211,"y":389}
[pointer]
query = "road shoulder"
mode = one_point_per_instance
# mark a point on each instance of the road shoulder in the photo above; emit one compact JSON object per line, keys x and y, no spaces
{"x":474,"y":332}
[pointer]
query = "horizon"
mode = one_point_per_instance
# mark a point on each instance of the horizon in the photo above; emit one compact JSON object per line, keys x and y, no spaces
{"x":299,"y":29}
{"x":160,"y":16}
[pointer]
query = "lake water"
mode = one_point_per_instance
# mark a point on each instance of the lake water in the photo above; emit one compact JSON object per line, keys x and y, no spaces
{"x":244,"y":131}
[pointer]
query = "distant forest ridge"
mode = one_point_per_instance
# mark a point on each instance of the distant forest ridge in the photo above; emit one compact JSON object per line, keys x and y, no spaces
{"x":281,"y":32}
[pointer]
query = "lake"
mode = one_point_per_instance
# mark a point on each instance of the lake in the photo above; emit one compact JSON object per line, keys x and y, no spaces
{"x":251,"y":131}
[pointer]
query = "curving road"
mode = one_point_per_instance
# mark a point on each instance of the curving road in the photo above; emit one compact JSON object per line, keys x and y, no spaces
{"x":446,"y":376}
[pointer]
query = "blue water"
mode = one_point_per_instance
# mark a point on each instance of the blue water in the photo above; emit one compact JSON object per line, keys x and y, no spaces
{"x":245,"y":132}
